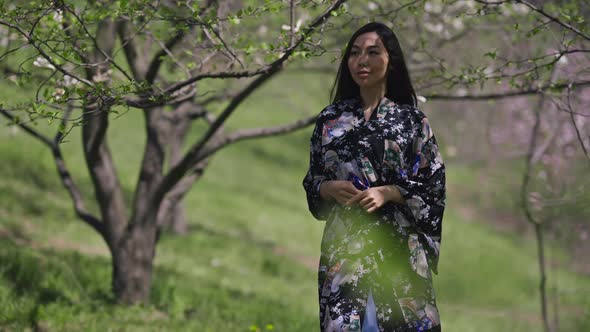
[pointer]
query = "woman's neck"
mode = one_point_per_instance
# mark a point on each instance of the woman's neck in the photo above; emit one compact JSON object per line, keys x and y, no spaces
{"x":371,"y":99}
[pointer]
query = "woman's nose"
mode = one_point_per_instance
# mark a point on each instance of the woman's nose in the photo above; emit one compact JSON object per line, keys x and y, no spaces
{"x":363,"y":60}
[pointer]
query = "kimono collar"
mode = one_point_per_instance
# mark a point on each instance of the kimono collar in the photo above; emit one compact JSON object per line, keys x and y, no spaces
{"x":384,"y":106}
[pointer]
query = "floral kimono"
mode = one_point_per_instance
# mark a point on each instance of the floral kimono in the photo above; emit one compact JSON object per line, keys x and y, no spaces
{"x":375,"y":268}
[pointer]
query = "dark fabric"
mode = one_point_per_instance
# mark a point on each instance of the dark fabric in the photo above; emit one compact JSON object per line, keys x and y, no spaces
{"x":391,"y":252}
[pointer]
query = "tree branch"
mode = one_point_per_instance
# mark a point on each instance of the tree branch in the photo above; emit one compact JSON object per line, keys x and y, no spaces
{"x":64,"y":174}
{"x":105,"y":54}
{"x":157,"y":60}
{"x":555,"y":19}
{"x":538,"y":225}
{"x":265,"y":69}
{"x":193,"y":155}
{"x":136,"y":60}
{"x":571,"y":111}
{"x":509,"y":94}
{"x":244,"y":134}
{"x":44,"y":54}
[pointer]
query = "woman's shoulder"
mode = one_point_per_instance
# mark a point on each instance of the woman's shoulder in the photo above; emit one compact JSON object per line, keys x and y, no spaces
{"x":337,"y":108}
{"x":412,"y":111}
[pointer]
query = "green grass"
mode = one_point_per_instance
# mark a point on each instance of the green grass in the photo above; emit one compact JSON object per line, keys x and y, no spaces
{"x":248,"y":262}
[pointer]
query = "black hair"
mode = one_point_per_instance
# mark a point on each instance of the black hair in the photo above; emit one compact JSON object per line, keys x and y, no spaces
{"x":399,"y":85}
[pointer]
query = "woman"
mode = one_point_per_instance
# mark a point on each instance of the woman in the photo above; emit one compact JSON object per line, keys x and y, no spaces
{"x":378,"y":179}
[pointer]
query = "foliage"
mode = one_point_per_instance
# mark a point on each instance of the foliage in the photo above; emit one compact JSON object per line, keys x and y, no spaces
{"x":228,"y":272}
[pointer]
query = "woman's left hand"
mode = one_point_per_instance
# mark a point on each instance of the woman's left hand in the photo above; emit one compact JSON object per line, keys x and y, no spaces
{"x":373,"y":198}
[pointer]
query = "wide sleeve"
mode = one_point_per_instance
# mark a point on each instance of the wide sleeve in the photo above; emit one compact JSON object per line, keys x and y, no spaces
{"x":316,"y":174}
{"x":423,"y":187}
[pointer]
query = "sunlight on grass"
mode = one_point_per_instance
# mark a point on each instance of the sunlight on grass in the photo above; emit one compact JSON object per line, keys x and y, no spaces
{"x":249,"y":261}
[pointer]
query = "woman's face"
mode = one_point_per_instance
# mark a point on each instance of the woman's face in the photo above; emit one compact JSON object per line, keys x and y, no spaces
{"x":368,"y":61}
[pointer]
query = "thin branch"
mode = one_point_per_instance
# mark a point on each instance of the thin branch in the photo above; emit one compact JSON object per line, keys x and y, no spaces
{"x":228,"y":49}
{"x":538,"y":225}
{"x":64,"y":174}
{"x":157,"y":60}
{"x":509,"y":94}
{"x":142,"y":103}
{"x":193,"y":155}
{"x":265,"y":69}
{"x":292,"y":21}
{"x":136,"y":60}
{"x":555,"y":19}
{"x":13,"y":50}
{"x":168,"y":52}
{"x":44,"y":54}
{"x":46,"y":140}
{"x":217,"y":97}
{"x":245,"y":134}
{"x":564,"y":109}
{"x":580,"y":139}
{"x":106,"y":56}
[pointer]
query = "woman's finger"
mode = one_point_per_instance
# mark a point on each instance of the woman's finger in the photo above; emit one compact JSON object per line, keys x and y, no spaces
{"x":365,"y":200}
{"x":351,"y":189}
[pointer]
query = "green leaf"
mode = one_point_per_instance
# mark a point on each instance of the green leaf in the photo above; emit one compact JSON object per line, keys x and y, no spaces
{"x":492,"y":54}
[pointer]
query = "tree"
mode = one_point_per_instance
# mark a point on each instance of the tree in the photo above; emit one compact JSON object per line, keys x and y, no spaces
{"x":80,"y":43}
{"x":514,"y":49}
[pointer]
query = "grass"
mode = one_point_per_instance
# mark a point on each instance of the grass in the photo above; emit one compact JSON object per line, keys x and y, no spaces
{"x":247,"y":264}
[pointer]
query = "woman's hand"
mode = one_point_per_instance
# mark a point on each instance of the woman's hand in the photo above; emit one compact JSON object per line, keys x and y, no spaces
{"x":339,"y":190}
{"x":373,"y":198}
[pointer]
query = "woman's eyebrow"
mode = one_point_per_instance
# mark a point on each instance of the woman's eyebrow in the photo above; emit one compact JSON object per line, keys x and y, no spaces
{"x":371,"y":46}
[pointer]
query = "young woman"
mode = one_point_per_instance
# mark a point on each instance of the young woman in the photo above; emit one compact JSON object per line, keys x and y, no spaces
{"x":377,"y":177}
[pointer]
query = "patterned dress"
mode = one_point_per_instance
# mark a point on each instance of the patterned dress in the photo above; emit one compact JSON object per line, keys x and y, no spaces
{"x":375,"y":269}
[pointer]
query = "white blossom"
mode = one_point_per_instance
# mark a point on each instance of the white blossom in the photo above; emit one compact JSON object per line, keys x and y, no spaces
{"x":372,"y":6}
{"x":438,"y":27}
{"x":431,"y":7}
{"x":41,"y":62}
{"x":461,"y":92}
{"x":68,"y":81}
{"x":59,"y":92}
{"x":457,"y":23}
{"x":58,"y":16}
{"x":295,"y":28}
{"x":4,"y":37}
{"x":102,"y":77}
{"x":521,"y":9}
{"x":262,"y":30}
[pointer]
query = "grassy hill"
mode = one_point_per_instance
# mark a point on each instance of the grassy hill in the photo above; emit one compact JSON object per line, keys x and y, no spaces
{"x":248,"y":263}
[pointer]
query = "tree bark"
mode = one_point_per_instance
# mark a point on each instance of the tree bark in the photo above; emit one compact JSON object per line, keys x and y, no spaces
{"x":133,"y":264}
{"x":174,"y":217}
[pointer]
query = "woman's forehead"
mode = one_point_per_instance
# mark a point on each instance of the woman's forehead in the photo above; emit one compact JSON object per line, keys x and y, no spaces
{"x":367,"y":39}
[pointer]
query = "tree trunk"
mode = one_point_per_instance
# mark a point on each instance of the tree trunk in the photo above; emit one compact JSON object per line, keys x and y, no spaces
{"x":133,"y":264}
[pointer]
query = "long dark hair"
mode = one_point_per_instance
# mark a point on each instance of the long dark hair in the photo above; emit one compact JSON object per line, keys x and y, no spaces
{"x":399,"y":85}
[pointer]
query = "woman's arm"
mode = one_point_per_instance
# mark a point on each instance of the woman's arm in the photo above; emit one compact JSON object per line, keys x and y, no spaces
{"x":424,"y":187}
{"x":319,"y":197}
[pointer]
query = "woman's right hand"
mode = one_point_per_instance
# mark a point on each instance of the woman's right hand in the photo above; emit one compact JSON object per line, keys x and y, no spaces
{"x":338,"y":190}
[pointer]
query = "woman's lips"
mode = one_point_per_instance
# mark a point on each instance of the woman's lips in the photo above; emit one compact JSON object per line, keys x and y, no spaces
{"x":362,"y":74}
